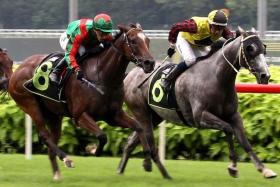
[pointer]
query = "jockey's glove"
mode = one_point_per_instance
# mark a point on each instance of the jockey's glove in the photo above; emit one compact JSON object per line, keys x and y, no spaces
{"x":170,"y":52}
{"x":79,"y":75}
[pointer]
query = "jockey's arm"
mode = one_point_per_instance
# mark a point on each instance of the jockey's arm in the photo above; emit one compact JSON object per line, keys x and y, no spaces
{"x":72,"y":51}
{"x":186,"y":26}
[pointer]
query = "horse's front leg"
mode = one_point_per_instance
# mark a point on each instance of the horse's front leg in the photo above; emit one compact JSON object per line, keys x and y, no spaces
{"x":208,"y":120}
{"x":232,"y":168}
{"x":86,"y":122}
{"x":243,"y":141}
{"x":122,"y":119}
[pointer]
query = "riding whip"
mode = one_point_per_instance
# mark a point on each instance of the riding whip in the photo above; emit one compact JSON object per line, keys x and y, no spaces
{"x":139,"y":85}
{"x":90,"y":84}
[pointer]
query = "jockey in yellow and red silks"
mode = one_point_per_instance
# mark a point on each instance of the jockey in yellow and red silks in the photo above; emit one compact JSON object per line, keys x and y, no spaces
{"x":192,"y":39}
{"x":79,"y":35}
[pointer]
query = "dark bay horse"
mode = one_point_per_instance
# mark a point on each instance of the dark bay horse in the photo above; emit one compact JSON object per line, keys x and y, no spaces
{"x":6,"y":69}
{"x":206,"y":98}
{"x":86,"y":105}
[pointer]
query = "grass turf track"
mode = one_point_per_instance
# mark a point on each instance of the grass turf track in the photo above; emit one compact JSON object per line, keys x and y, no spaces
{"x":15,"y":171}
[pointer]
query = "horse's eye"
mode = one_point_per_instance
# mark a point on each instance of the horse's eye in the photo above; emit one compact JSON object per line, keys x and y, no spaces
{"x":251,"y":49}
{"x":133,"y":42}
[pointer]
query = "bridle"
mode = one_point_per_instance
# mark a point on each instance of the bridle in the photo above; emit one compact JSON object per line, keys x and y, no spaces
{"x":240,"y":55}
{"x":138,"y":61}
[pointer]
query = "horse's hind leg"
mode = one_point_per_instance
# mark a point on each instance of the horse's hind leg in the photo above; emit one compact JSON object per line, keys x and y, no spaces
{"x":54,"y":124}
{"x":122,"y":119}
{"x":86,"y":122}
{"x":29,"y":105}
{"x":133,"y":141}
{"x":232,"y":168}
{"x":243,"y":141}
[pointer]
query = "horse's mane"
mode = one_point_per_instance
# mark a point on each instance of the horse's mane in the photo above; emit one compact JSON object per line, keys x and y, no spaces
{"x":219,"y":44}
{"x":116,"y":35}
{"x":122,"y":29}
{"x":216,"y":46}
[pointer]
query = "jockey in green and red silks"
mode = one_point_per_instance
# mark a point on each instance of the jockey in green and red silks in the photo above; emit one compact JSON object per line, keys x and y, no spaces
{"x":82,"y":34}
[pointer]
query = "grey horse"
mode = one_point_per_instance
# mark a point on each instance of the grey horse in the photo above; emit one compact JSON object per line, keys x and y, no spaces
{"x":206,"y":98}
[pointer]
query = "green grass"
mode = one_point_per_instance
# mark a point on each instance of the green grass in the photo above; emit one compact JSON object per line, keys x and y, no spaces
{"x":15,"y":171}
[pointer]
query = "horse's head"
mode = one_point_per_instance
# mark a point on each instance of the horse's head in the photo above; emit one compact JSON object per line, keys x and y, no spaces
{"x":6,"y":64}
{"x":252,"y":57}
{"x":136,"y":47}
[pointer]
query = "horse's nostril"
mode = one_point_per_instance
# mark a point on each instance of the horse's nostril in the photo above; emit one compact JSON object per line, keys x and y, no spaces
{"x":146,"y":62}
{"x":264,"y":76}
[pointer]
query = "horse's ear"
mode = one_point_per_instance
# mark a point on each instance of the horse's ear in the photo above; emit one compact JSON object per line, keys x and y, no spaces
{"x":122,"y":28}
{"x":253,"y":30}
{"x":138,"y":26}
{"x":241,"y":30}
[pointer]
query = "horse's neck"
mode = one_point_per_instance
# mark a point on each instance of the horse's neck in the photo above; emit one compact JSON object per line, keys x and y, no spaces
{"x":112,"y":66}
{"x":225,"y":72}
{"x":9,"y":73}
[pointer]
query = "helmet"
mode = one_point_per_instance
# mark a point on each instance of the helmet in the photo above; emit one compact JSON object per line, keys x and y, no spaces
{"x":103,"y":23}
{"x":217,"y":17}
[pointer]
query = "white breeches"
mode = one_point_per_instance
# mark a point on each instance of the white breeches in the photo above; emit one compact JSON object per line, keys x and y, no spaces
{"x":63,"y":41}
{"x":190,"y":52}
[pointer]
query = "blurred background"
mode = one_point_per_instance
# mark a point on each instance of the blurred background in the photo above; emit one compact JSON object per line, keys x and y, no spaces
{"x":52,"y":16}
{"x":152,"y":14}
{"x":30,"y":27}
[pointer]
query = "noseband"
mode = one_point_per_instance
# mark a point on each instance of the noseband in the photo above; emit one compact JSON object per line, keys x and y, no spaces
{"x":240,"y":54}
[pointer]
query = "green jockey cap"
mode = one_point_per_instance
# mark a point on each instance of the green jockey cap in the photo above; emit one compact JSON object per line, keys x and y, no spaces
{"x":103,"y":22}
{"x":217,"y":17}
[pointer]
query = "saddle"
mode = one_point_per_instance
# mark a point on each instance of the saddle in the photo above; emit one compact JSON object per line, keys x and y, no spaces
{"x":164,"y":102}
{"x":41,"y":85}
{"x":157,"y":96}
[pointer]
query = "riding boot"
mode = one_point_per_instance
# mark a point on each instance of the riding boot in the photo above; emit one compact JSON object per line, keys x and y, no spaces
{"x":172,"y":75}
{"x":54,"y":75}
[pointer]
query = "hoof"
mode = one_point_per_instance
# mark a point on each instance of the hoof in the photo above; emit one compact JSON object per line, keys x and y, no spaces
{"x":56,"y":176}
{"x":91,"y":149}
{"x":68,"y":163}
{"x":167,"y":177}
{"x":119,"y":172}
{"x":147,"y":164}
{"x":95,"y":149}
{"x":233,"y":171}
{"x":268,"y":173}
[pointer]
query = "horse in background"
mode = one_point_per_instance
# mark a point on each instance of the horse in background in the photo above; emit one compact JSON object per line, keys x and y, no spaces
{"x":6,"y":69}
{"x":205,"y":97}
{"x":84,"y":104}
